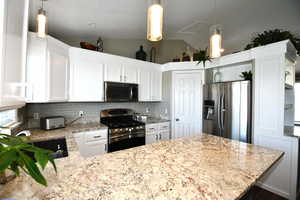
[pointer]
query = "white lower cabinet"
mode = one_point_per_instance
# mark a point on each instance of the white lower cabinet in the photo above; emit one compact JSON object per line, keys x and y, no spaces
{"x":157,"y":132}
{"x":92,"y":143}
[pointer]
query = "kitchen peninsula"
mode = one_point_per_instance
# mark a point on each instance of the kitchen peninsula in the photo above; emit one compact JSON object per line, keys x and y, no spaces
{"x":199,"y":167}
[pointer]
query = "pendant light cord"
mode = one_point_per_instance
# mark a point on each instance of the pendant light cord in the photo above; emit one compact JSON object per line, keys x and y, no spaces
{"x":215,"y":8}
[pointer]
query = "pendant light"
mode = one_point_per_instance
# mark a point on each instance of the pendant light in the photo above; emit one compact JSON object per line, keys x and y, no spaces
{"x":41,"y":22}
{"x":215,"y":38}
{"x":155,"y":21}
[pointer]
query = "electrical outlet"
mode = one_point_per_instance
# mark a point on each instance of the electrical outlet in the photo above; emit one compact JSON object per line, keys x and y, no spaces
{"x":36,"y":116}
{"x":80,"y":114}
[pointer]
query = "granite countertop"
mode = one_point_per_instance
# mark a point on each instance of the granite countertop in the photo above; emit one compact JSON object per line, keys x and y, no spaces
{"x":199,"y":167}
{"x":292,"y":131}
{"x":152,"y":120}
{"x":39,"y":134}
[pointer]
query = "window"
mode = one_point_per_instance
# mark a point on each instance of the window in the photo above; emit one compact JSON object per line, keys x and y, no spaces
{"x":297,"y":103}
{"x":8,"y":117}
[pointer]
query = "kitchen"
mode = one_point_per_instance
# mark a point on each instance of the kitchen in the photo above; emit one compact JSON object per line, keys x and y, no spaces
{"x":135,"y":114}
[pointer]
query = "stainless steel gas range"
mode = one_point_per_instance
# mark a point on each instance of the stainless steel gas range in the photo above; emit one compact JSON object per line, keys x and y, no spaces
{"x":123,"y":131}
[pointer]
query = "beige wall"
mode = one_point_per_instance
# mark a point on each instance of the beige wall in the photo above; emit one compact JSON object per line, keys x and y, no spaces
{"x":166,"y":49}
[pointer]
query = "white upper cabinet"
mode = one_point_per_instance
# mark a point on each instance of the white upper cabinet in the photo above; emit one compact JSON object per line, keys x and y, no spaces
{"x":47,"y":70}
{"x":113,"y":72}
{"x":150,"y":82}
{"x":144,"y":84}
{"x":130,"y":73}
{"x":13,"y":38}
{"x":120,"y":69}
{"x":156,"y":85}
{"x":86,"y":77}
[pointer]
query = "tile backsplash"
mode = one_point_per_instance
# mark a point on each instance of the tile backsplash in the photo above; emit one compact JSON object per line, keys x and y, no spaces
{"x":91,"y":110}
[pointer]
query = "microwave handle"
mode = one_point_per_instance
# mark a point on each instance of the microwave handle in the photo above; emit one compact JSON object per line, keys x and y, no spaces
{"x":131,"y":94}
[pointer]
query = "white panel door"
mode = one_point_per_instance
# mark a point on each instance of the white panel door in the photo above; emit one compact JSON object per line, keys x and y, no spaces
{"x":58,"y":76}
{"x":144,"y":85}
{"x":114,"y":72}
{"x":187,"y":104}
{"x":86,"y":81}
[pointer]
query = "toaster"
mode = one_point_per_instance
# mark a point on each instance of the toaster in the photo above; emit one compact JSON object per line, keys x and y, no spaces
{"x":54,"y":122}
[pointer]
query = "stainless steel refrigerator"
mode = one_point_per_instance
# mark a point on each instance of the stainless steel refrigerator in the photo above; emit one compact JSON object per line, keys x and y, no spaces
{"x":227,"y":110}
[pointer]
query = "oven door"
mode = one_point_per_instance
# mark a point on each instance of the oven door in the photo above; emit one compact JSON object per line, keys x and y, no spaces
{"x":126,"y":141}
{"x":120,"y":92}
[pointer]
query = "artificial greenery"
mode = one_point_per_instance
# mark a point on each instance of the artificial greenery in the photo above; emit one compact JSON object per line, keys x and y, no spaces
{"x":271,"y":36}
{"x":246,"y":75}
{"x":203,"y":56}
{"x":14,"y":156}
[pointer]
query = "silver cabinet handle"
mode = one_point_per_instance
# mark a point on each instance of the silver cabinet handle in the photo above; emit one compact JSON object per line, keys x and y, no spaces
{"x":105,"y":147}
{"x":98,"y":136}
{"x":160,"y":136}
{"x":177,"y":120}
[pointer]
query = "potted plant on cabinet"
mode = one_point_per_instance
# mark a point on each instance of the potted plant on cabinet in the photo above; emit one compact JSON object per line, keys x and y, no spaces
{"x":14,"y":156}
{"x":202,"y":56}
{"x":272,"y":36}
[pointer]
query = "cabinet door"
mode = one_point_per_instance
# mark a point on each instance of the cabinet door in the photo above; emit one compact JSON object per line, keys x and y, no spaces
{"x":164,"y":135}
{"x":13,"y":42}
{"x":86,"y":81}
{"x":130,"y":74}
{"x":94,"y":148}
{"x":144,"y":85}
{"x":114,"y":72}
{"x":58,"y":68}
{"x":151,"y":138}
{"x":156,"y":85}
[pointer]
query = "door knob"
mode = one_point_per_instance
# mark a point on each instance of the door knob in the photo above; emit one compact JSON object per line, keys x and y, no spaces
{"x":177,"y":120}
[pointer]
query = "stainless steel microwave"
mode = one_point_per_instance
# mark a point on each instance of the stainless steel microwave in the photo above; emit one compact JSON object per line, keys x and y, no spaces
{"x":120,"y":92}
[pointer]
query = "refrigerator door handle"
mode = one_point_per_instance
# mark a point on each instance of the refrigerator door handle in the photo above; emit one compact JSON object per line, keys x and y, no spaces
{"x":219,"y":114}
{"x":223,"y":110}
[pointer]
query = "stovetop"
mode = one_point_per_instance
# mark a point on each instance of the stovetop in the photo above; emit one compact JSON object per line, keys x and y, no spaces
{"x":120,"y":122}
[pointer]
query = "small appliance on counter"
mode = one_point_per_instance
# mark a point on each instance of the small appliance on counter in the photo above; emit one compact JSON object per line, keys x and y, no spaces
{"x":54,"y":122}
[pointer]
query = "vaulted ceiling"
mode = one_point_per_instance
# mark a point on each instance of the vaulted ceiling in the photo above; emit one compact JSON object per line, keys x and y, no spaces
{"x":188,"y":20}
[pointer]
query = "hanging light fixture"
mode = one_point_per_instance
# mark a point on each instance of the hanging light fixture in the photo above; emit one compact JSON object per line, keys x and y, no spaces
{"x":215,"y":38}
{"x":216,"y":42}
{"x":41,"y":22}
{"x":155,"y":21}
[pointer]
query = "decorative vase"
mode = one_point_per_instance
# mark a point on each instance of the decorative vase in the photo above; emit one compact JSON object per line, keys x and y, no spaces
{"x":100,"y":45}
{"x":141,"y":54}
{"x":186,"y":57}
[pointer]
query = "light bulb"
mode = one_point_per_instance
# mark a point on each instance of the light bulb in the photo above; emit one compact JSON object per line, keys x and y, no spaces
{"x":155,"y":22}
{"x":41,"y":25}
{"x":215,"y":45}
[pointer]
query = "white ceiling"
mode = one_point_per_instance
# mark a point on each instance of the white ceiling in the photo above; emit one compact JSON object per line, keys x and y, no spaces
{"x":184,"y":19}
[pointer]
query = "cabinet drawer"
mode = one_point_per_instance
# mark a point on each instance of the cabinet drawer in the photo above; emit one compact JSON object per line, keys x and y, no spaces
{"x":93,"y":148}
{"x":95,"y":135}
{"x":150,"y":128}
{"x":164,"y":126}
